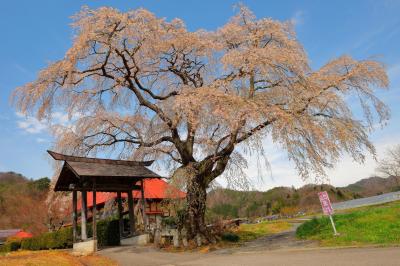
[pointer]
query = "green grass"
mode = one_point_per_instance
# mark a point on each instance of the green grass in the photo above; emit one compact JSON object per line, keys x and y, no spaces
{"x":377,"y":225}
{"x":248,"y":232}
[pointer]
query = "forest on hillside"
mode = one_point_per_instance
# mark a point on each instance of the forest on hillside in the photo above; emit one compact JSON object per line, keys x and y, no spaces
{"x":287,"y":201}
{"x":23,"y":201}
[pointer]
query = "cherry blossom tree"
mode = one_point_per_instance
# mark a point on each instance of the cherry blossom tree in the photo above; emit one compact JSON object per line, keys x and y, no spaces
{"x":148,"y":88}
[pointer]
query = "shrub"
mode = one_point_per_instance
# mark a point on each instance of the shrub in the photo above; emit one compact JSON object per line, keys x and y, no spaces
{"x":312,"y":227}
{"x":50,"y":240}
{"x":10,"y":246}
{"x":169,"y":221}
{"x":107,"y":235}
{"x":230,"y":237}
{"x":27,"y":244}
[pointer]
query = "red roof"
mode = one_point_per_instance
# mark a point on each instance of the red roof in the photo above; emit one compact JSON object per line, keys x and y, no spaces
{"x":154,"y":188}
{"x":23,"y":234}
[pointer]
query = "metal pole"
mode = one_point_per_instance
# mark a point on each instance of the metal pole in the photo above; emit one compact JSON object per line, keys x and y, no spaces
{"x":333,"y":225}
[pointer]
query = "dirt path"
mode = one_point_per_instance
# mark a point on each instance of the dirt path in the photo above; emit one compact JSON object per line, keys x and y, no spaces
{"x":283,"y":240}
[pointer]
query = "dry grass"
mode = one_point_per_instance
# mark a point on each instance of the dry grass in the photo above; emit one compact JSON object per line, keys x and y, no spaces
{"x":50,"y":258}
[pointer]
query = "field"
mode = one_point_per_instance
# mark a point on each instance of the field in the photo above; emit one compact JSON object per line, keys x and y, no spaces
{"x":49,"y":258}
{"x":375,"y":225}
{"x":247,"y":232}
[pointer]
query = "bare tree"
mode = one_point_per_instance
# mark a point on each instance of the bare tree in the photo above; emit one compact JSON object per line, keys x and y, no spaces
{"x":150,"y":89}
{"x":390,"y":164}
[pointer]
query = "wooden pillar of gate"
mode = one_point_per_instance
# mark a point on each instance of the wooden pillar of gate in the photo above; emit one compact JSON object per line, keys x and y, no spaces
{"x":131,"y":213}
{"x":120,"y":210}
{"x":143,"y":205}
{"x":74,"y":215}
{"x":84,"y":215}
{"x":94,"y":213}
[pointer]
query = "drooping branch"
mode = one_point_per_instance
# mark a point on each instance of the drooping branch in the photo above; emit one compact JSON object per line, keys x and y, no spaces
{"x":202,"y":94}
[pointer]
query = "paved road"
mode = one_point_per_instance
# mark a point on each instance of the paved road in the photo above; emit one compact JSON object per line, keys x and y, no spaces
{"x":278,"y":249}
{"x":374,"y":200}
{"x":299,"y":257}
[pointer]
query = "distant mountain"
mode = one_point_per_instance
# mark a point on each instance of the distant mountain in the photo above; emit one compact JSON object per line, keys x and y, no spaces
{"x":11,"y":177}
{"x":226,"y":203}
{"x":375,"y":185}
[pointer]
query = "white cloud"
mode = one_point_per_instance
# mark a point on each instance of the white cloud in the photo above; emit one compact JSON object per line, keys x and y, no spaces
{"x":298,"y":18}
{"x":282,"y":172}
{"x":2,"y":168}
{"x":394,"y":73}
{"x":24,"y":70}
{"x":4,"y":117}
{"x":61,"y":118}
{"x":32,"y":125}
{"x":41,"y":140}
{"x":348,"y":171}
{"x":383,"y":33}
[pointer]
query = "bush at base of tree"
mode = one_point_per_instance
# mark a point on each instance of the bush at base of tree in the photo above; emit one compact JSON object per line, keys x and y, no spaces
{"x":230,"y":237}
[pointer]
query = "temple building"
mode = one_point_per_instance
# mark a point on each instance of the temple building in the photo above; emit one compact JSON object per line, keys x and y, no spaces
{"x":138,"y":193}
{"x":159,"y":196}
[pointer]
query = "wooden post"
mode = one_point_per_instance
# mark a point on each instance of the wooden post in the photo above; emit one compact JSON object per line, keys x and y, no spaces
{"x":131,"y":213}
{"x":84,"y":215}
{"x":121,"y":222}
{"x":143,"y":205}
{"x":94,"y":212}
{"x":74,"y":215}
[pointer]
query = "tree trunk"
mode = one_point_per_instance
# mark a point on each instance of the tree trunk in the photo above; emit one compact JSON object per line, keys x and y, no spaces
{"x":197,"y":182}
{"x":196,"y":207}
{"x":196,"y":199}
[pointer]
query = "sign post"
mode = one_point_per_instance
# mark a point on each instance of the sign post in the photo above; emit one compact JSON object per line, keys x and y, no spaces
{"x":327,"y":208}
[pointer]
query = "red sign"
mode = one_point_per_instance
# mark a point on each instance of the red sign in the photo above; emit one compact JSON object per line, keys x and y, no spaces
{"x":325,"y":203}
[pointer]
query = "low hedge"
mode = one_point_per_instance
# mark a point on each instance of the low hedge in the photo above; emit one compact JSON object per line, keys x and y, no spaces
{"x":107,"y":232}
{"x":10,"y":246}
{"x":50,"y":240}
{"x":107,"y":235}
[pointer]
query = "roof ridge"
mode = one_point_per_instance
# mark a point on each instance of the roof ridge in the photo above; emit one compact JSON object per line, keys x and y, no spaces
{"x":71,"y":158}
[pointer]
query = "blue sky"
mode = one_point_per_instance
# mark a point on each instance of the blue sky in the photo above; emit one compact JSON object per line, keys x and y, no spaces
{"x":34,"y":33}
